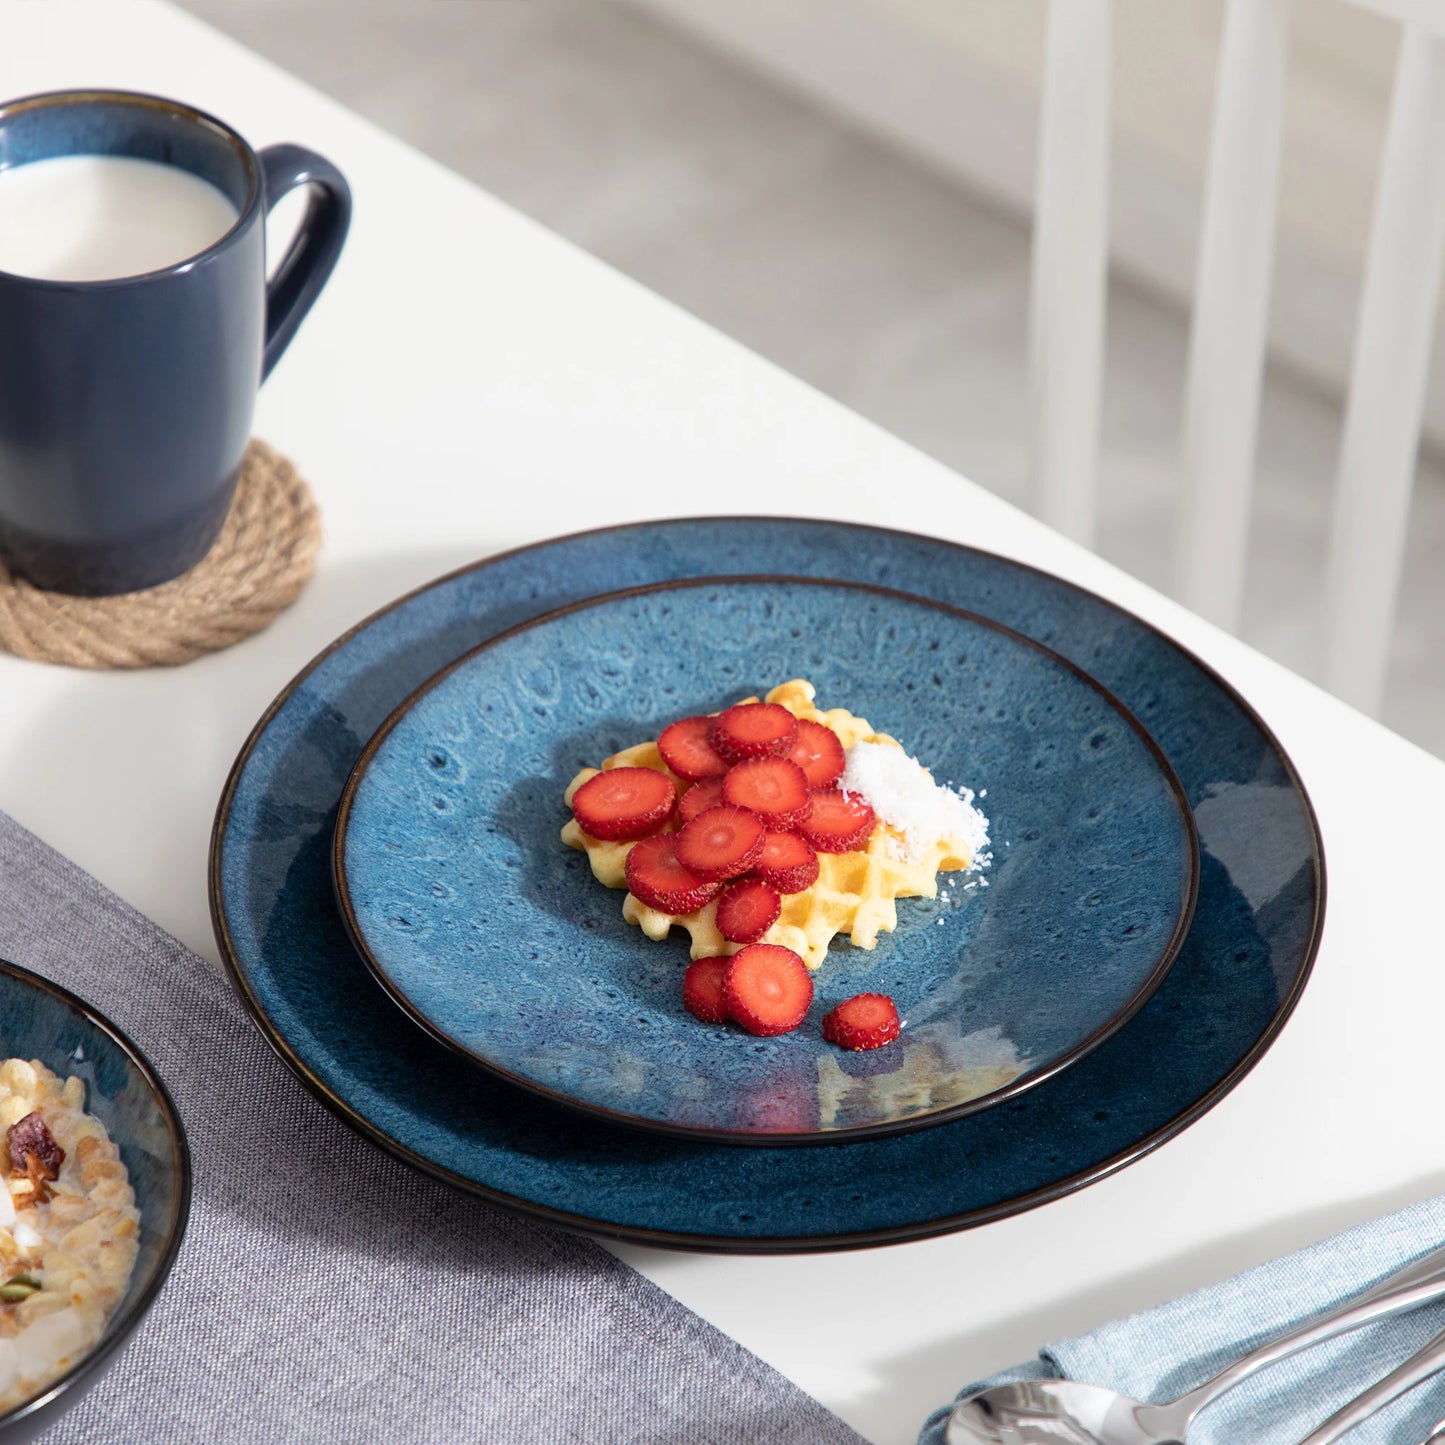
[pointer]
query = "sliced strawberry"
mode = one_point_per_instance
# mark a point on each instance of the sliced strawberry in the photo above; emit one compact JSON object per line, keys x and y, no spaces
{"x":767,"y":989}
{"x":622,"y":803}
{"x":720,"y":843}
{"x":839,"y":822}
{"x":699,"y":798}
{"x":788,"y":863}
{"x":656,"y":878}
{"x":746,"y":909}
{"x":702,"y":989}
{"x":773,"y":788}
{"x":865,"y":1021}
{"x":686,"y":750}
{"x":819,"y":752}
{"x":753,"y":730}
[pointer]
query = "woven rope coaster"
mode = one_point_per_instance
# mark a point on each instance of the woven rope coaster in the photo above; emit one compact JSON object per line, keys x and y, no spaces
{"x":264,"y":556}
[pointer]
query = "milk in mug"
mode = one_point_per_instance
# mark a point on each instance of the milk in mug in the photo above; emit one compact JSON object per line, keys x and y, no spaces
{"x":137,"y":322}
{"x":100,"y":218}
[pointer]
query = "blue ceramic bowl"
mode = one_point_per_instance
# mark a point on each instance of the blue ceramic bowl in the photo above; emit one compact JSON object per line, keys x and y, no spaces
{"x":496,"y":937}
{"x":40,"y":1020}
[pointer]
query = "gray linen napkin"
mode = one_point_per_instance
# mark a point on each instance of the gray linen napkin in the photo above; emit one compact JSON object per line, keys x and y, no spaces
{"x":346,"y":1297}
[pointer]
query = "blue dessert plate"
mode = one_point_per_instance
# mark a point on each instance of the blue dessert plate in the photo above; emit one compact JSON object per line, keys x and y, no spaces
{"x":1243,"y":966}
{"x":495,"y":937}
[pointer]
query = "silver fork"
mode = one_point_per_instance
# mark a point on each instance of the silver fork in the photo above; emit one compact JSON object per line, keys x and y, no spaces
{"x":1429,"y":1360}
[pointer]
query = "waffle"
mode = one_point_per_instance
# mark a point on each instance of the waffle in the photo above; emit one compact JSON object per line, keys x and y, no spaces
{"x":854,"y":894}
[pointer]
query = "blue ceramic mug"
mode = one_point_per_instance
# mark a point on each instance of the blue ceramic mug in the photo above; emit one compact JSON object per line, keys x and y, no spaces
{"x":126,"y":401}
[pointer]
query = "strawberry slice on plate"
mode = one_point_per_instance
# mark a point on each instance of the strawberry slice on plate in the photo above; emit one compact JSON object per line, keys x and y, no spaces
{"x":686,"y":750}
{"x":720,"y":843}
{"x":865,"y":1021}
{"x":746,"y":909}
{"x":839,"y":822}
{"x":618,"y":804}
{"x":702,"y":989}
{"x":773,"y":788}
{"x":788,"y":863}
{"x":767,"y":989}
{"x":655,"y":877}
{"x":819,"y":752}
{"x":699,"y":798}
{"x":753,"y":730}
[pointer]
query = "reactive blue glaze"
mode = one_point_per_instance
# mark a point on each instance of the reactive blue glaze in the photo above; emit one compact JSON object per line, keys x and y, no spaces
{"x":39,"y":1020}
{"x":126,"y":404}
{"x":493,"y":934}
{"x":1239,"y":974}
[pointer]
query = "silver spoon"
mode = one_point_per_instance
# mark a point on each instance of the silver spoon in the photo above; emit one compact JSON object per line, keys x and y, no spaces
{"x":1065,"y":1412}
{"x":1429,"y":1360}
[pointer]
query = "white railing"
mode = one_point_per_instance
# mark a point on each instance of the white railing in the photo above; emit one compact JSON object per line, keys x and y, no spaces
{"x":1399,"y":295}
{"x":1070,"y":267}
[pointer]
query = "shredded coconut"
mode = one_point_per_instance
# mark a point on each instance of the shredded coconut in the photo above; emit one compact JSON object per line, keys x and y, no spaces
{"x":904,"y":795}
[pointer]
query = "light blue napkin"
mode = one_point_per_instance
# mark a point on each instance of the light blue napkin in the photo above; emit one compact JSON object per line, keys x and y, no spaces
{"x":1164,"y":1352}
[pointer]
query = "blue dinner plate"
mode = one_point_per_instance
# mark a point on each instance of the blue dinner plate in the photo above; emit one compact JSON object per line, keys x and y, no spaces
{"x":494,"y":936}
{"x":1242,"y":968}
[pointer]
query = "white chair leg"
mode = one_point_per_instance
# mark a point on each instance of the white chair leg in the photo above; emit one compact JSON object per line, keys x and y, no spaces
{"x":1231,"y":312}
{"x":1070,"y":266}
{"x":1387,"y":383}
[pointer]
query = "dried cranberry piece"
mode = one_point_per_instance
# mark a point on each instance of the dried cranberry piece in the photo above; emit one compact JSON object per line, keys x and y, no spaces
{"x":31,"y":1138}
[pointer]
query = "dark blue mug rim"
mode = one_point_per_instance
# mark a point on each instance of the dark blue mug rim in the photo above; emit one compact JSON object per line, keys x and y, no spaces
{"x":190,"y":113}
{"x":120,"y":1326}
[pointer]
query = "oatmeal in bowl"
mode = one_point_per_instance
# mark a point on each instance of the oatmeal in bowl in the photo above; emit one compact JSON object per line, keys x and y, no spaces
{"x":94,"y":1195}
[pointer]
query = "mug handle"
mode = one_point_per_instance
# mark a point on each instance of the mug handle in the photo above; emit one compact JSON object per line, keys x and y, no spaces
{"x":308,"y":262}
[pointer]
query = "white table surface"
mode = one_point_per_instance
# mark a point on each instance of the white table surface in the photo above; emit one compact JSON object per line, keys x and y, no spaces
{"x":470,"y":382}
